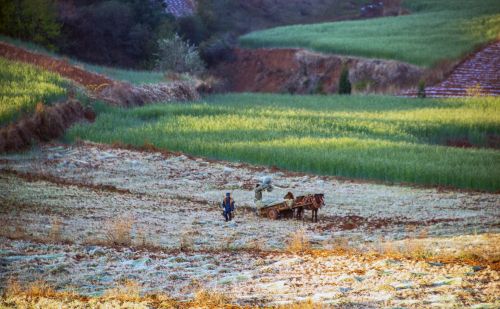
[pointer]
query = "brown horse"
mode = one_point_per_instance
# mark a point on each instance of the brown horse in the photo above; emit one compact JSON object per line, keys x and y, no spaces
{"x":310,"y":202}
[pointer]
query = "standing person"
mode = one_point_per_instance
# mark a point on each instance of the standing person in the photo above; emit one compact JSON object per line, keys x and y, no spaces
{"x":228,"y":207}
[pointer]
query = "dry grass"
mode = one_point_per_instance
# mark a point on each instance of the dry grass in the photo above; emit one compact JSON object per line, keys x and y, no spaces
{"x":40,"y":294}
{"x":308,"y":304}
{"x":186,"y":241}
{"x":13,"y":287}
{"x":298,"y":242}
{"x":482,"y":250}
{"x":34,"y":289}
{"x":256,"y":245}
{"x":128,"y":291}
{"x":55,"y":233}
{"x":210,"y":299}
{"x":119,"y":231}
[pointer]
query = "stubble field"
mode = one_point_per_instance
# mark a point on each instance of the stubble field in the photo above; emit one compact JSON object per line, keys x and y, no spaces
{"x":90,"y":218}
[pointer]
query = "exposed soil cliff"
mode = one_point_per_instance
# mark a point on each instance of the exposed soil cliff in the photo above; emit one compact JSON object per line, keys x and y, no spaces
{"x":300,"y":71}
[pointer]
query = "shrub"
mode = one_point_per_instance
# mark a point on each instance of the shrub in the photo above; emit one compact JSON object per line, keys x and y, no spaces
{"x":344,"y":83}
{"x":178,"y":56}
{"x":421,"y":90}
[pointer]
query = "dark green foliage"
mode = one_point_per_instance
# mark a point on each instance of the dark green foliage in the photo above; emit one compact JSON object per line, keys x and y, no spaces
{"x":118,"y":33}
{"x":33,"y":20}
{"x":344,"y":83}
{"x":192,"y":28}
{"x":421,"y":89}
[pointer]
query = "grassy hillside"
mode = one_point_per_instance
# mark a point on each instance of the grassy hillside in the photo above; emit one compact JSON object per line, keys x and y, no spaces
{"x":22,"y":86}
{"x":131,"y":76}
{"x":373,"y":137}
{"x":436,"y":30}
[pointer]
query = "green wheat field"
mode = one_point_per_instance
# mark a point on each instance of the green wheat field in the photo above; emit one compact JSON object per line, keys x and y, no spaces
{"x":434,"y":31}
{"x":370,"y":137}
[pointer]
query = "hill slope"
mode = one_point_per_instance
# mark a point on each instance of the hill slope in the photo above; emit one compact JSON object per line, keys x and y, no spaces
{"x":476,"y":75}
{"x":434,"y":31}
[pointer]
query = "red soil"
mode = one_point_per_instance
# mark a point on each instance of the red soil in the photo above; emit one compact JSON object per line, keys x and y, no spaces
{"x":304,"y":72}
{"x":262,"y":71}
{"x":351,"y":222}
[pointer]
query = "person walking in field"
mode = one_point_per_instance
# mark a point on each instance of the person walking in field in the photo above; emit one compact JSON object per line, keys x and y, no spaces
{"x":228,"y":207}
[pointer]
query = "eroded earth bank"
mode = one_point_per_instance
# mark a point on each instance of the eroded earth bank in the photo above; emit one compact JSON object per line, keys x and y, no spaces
{"x":89,"y":217}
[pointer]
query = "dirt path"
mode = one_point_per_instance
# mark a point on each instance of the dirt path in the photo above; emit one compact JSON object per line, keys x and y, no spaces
{"x":160,"y":203}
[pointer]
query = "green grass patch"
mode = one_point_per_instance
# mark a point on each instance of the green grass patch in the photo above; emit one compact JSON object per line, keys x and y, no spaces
{"x":369,"y":137}
{"x":436,"y":30}
{"x":22,"y":86}
{"x":131,"y":76}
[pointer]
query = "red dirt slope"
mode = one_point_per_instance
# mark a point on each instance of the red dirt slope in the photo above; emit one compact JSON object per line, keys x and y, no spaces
{"x":480,"y":70}
{"x":91,"y":81}
{"x":102,"y":87}
{"x":303,"y":72}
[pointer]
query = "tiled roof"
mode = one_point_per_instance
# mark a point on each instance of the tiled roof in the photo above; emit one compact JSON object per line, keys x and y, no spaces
{"x":180,"y":8}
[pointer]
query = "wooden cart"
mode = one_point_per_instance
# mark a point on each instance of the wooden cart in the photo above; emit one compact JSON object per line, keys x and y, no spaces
{"x":277,"y":209}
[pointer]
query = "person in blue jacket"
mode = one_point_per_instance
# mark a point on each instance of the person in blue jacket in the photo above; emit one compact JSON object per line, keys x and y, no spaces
{"x":228,"y":207}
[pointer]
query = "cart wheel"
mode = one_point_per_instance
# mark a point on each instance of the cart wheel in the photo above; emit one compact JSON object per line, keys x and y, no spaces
{"x":272,"y":214}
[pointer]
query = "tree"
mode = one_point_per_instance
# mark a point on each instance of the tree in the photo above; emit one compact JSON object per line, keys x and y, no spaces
{"x":344,"y":83}
{"x":421,"y":89}
{"x":115,"y":32}
{"x":33,"y":20}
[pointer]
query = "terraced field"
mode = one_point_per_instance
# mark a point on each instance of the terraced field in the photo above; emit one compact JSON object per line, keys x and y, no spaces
{"x":92,"y":218}
{"x":434,"y":31}
{"x":476,"y":75}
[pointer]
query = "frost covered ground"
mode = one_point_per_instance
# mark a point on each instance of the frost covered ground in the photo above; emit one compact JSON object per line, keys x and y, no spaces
{"x":64,"y":205}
